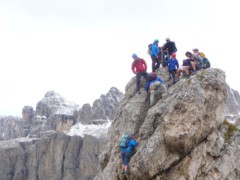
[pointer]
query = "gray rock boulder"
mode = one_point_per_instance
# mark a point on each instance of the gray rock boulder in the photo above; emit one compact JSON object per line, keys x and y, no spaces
{"x":180,"y":137}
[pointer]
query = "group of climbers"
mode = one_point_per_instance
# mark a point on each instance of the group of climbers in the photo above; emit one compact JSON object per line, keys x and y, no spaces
{"x":157,"y":53}
{"x":154,"y":82}
{"x":194,"y":62}
{"x":167,"y":56}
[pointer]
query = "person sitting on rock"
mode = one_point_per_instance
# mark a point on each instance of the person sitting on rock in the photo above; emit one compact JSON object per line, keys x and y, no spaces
{"x":139,"y":67}
{"x":187,"y":65}
{"x":196,"y":61}
{"x":172,"y":65}
{"x":126,"y":154}
{"x":156,"y":87}
{"x":197,"y":54}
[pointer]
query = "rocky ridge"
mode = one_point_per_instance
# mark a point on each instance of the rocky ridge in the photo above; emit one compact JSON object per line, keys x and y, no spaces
{"x":181,"y":137}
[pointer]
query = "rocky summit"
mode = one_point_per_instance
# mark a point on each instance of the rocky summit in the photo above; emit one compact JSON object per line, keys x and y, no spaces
{"x":181,"y":137}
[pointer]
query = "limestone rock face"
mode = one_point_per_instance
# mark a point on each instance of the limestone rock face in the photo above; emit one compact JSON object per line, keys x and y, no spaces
{"x":11,"y":127}
{"x":55,"y":156}
{"x":180,"y":137}
{"x":103,"y":108}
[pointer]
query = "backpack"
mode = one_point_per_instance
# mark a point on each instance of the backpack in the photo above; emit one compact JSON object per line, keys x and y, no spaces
{"x":149,"y":49}
{"x":206,"y":64}
{"x":175,"y":48}
{"x":151,"y":76}
{"x":202,"y":55}
{"x":124,"y":141}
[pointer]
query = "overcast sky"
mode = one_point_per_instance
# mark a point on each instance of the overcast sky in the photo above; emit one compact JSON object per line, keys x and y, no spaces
{"x":81,"y":48}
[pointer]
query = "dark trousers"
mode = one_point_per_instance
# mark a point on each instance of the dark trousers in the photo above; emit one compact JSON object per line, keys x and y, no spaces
{"x":172,"y":74}
{"x":155,"y":63}
{"x":126,"y":156}
{"x":138,"y":76}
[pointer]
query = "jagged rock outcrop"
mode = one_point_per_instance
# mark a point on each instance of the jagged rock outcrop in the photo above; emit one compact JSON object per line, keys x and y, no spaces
{"x":28,"y":113}
{"x":85,"y":115}
{"x":180,"y":137}
{"x":103,"y":108}
{"x":54,"y":156}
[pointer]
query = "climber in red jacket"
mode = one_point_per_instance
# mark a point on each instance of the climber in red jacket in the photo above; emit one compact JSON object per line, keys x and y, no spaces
{"x":139,"y":67}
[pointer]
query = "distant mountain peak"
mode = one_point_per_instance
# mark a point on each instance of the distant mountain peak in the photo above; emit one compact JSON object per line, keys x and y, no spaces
{"x":54,"y":103}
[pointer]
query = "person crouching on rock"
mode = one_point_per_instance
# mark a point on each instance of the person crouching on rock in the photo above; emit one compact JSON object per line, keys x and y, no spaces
{"x":156,"y":87}
{"x":126,"y":153}
{"x":139,"y":67}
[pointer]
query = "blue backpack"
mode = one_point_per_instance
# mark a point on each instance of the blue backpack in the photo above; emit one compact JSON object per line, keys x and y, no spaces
{"x":124,"y":141}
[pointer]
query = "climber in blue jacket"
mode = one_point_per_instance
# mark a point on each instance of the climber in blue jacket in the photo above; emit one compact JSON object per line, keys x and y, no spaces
{"x":149,"y":83}
{"x":126,"y":154}
{"x":154,"y":55}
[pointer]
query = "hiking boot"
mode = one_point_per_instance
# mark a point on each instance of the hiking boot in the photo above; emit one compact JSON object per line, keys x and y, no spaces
{"x":126,"y":173}
{"x":123,"y":172}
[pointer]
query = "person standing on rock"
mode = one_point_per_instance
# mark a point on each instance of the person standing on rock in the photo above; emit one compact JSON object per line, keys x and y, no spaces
{"x":168,"y":48}
{"x":155,"y":55}
{"x":172,"y":65}
{"x":126,"y":153}
{"x":139,"y":67}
